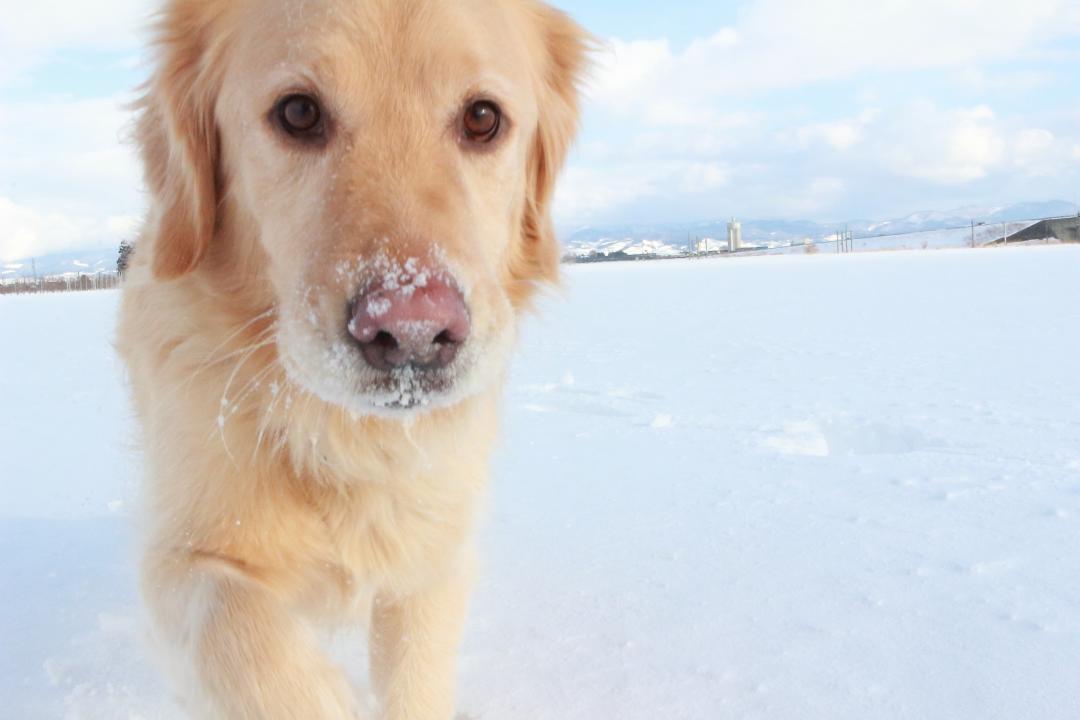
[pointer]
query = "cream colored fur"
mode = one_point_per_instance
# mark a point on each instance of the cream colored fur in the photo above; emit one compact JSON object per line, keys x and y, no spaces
{"x":278,"y":498}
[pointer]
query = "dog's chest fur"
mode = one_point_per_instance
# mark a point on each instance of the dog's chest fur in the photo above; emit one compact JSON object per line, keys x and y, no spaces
{"x":389,"y":539}
{"x":389,"y":515}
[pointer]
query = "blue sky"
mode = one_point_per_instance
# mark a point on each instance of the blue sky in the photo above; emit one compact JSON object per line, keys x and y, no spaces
{"x":831,"y":110}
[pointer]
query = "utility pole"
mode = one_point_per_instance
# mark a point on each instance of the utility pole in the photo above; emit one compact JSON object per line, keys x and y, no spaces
{"x":973,"y":232}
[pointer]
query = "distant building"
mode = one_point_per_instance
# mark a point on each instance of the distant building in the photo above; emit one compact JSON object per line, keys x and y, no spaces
{"x":702,"y":246}
{"x":1063,"y":229}
{"x":734,"y":234}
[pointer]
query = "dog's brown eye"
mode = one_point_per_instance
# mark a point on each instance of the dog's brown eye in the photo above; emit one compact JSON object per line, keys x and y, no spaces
{"x":300,"y":116}
{"x":482,"y":121}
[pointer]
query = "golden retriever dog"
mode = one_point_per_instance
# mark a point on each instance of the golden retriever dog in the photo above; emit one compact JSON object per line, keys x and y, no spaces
{"x":350,"y":206}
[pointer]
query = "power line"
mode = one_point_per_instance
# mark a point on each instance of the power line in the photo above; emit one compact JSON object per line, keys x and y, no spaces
{"x":923,"y":232}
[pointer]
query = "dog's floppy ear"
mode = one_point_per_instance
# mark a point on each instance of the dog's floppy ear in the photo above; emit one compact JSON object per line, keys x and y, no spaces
{"x":177,"y":135}
{"x":565,"y":50}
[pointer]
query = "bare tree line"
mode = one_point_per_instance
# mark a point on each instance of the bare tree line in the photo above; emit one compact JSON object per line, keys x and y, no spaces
{"x":60,"y":283}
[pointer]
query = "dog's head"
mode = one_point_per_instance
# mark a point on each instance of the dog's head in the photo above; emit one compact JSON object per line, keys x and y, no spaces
{"x":379,"y":171}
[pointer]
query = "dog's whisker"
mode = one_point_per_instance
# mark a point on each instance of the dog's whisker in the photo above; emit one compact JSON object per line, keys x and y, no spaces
{"x":267,"y":417}
{"x":407,"y":429}
{"x":240,"y":329}
{"x":261,"y":336}
{"x":248,"y":352}
{"x":253,"y":383}
{"x":287,"y":421}
{"x":213,"y":359}
{"x":227,"y":406}
{"x":266,"y":313}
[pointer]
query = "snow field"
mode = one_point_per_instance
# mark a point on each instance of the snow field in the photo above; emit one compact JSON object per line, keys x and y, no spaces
{"x":781,"y":487}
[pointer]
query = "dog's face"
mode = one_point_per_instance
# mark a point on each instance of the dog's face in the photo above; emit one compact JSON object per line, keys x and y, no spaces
{"x":390,"y":164}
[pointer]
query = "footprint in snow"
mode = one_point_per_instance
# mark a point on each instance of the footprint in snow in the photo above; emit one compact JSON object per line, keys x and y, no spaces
{"x":846,"y":436}
{"x":570,"y":397}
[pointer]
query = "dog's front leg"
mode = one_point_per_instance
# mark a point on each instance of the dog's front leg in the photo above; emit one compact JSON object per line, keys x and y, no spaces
{"x":414,"y":645}
{"x":236,"y":650}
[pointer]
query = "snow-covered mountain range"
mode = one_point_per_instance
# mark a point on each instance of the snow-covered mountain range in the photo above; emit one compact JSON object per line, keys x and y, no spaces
{"x":86,"y":262}
{"x":673,"y":238}
{"x":660,"y":239}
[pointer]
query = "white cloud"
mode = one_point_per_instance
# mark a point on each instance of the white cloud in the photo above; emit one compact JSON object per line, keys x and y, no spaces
{"x":838,"y":38}
{"x":767,"y":165}
{"x":80,"y":140}
{"x":70,"y":178}
{"x":943,"y":146}
{"x":77,"y":148}
{"x":28,"y":232}
{"x":788,"y":43}
{"x":584,"y":191}
{"x":840,"y":135}
{"x":725,"y":100}
{"x":123,"y":226}
{"x":624,"y":69}
{"x":1036,"y":150}
{"x":31,"y":31}
{"x":817,"y":195}
{"x":24,"y":231}
{"x":702,"y":176}
{"x":723,"y":135}
{"x":946,"y":147}
{"x":977,"y":79}
{"x":1039,"y":152}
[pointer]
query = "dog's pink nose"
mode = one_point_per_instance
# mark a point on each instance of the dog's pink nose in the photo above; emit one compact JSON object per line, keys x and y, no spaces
{"x":420,"y":324}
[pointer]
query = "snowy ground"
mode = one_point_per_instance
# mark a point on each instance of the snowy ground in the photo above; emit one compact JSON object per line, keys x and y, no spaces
{"x":825,"y":487}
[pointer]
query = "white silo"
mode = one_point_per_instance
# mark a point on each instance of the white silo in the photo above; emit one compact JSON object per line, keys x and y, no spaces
{"x":734,"y":235}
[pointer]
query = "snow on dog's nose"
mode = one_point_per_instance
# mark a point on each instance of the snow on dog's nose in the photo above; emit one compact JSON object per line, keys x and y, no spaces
{"x":421,"y":324}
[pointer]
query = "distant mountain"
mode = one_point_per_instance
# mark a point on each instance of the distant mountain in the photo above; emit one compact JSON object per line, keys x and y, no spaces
{"x":672,"y":238}
{"x":86,"y":262}
{"x":923,"y":221}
